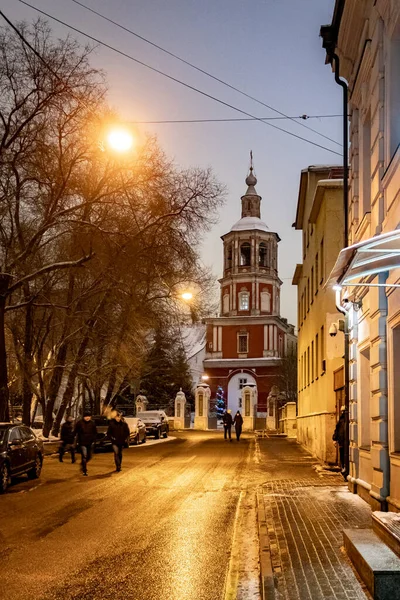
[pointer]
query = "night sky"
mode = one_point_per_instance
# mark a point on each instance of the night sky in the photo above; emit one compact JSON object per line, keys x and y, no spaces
{"x":269,"y":49}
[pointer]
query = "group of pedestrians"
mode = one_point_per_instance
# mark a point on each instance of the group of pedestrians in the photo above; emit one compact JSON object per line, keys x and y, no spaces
{"x":84,"y":434}
{"x":228,"y":421}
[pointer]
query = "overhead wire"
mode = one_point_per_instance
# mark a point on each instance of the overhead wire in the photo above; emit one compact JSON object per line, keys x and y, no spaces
{"x":170,"y":77}
{"x":200,"y":70}
{"x":226,"y":120}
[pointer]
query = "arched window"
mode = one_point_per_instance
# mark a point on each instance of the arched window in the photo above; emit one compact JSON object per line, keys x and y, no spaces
{"x":244,"y":301}
{"x":229,"y":257}
{"x":245,"y":255}
{"x":262,"y":255}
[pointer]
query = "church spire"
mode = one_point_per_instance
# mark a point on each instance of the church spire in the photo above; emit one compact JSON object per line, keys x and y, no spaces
{"x":251,"y":200}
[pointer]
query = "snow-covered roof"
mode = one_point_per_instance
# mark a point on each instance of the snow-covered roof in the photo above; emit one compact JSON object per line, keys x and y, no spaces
{"x":251,"y":223}
{"x":194,"y":339}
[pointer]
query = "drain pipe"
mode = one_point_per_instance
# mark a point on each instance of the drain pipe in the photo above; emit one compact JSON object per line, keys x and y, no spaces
{"x":340,"y":308}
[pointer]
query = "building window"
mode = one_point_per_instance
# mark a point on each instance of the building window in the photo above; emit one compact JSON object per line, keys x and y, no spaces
{"x":316,"y":273}
{"x":308,"y":365}
{"x":393,"y":94}
{"x":312,"y":285}
{"x":262,"y":255}
{"x":225,"y":303}
{"x":312,"y":361}
{"x":229,"y":257}
{"x":308,"y":295}
{"x":396,"y":389}
{"x":243,"y":343}
{"x":304,"y":244}
{"x":364,"y":398}
{"x":242,"y":383}
{"x":365,"y":179}
{"x":322,"y":367}
{"x":244,"y":301}
{"x":245,"y":255}
{"x":321,"y":256}
{"x":265,"y":302}
{"x":316,"y":357}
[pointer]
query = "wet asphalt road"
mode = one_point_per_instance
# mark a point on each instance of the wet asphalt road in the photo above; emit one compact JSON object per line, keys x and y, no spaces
{"x":160,"y":529}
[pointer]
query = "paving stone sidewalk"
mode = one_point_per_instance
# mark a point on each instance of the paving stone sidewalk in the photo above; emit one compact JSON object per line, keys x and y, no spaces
{"x":305,"y":520}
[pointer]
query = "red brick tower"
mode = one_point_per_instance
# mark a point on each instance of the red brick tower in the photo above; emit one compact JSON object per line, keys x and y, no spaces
{"x":245,"y":344}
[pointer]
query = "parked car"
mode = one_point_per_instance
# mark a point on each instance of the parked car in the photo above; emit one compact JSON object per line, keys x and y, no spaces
{"x":137,"y":430}
{"x":102,"y":439}
{"x":156,"y":422}
{"x":20,"y":452}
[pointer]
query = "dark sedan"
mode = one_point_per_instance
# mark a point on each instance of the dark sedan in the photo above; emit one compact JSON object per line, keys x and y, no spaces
{"x":20,"y":452}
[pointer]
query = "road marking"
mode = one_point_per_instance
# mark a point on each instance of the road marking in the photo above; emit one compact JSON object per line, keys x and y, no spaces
{"x":232,"y":576}
{"x":243,"y":577}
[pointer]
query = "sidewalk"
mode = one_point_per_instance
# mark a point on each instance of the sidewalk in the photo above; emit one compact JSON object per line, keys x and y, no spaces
{"x":301,"y":521}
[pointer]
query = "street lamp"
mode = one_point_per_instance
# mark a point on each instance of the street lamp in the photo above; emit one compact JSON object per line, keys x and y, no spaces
{"x":187,"y":296}
{"x":119,"y":139}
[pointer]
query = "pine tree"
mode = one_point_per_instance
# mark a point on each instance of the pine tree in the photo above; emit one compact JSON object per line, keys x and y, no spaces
{"x":165,"y":371}
{"x":157,"y":371}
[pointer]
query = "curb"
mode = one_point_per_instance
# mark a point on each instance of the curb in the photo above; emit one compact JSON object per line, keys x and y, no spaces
{"x":266,"y":572}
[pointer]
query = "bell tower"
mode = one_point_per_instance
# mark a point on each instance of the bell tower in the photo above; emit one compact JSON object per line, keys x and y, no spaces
{"x":250,"y":284}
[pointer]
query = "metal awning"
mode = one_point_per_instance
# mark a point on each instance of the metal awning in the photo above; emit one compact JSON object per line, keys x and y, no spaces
{"x":370,"y":257}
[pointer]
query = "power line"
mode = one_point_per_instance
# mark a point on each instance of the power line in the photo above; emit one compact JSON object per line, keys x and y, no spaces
{"x":170,"y":77}
{"x":186,"y":62}
{"x":227,"y":120}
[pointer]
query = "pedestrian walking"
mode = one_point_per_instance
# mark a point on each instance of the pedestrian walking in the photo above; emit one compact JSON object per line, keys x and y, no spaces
{"x":339,"y":437}
{"x":86,"y":432}
{"x":238,"y":423}
{"x":67,"y":437}
{"x":118,"y":432}
{"x":227,"y":421}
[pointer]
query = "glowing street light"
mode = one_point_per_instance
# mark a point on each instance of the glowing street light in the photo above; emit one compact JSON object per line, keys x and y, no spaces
{"x":120,"y":140}
{"x":187,"y":296}
{"x":205,"y":377}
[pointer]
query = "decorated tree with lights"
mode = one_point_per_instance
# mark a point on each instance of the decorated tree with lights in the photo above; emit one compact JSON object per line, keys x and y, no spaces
{"x":220,"y":402}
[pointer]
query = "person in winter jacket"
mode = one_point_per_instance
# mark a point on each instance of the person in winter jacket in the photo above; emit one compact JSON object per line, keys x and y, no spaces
{"x":227,"y":421}
{"x":238,"y":423}
{"x":86,"y":433}
{"x":339,"y":436}
{"x":118,"y":432}
{"x":67,"y":437}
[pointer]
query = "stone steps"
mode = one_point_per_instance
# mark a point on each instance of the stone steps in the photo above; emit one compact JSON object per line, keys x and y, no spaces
{"x":387,"y":526}
{"x":376,"y":563}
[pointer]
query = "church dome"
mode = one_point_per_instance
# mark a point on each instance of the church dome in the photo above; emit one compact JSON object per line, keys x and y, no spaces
{"x":251,"y":179}
{"x":250,"y":223}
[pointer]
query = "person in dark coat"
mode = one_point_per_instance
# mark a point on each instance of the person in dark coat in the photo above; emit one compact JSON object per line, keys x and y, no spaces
{"x":86,"y":433}
{"x":339,"y":436}
{"x":238,"y":423}
{"x":227,"y":421}
{"x":67,"y":437}
{"x":118,"y":432}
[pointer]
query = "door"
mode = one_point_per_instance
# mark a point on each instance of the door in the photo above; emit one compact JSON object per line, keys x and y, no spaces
{"x":14,"y":451}
{"x":28,"y":448}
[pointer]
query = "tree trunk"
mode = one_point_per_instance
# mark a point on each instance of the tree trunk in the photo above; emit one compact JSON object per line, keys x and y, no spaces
{"x":27,"y":366}
{"x":4,"y":392}
{"x":69,"y":390}
{"x":60,"y":359}
{"x":111,"y":385}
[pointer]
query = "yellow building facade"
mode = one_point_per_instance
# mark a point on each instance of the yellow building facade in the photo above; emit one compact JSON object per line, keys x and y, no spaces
{"x":320,"y":365}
